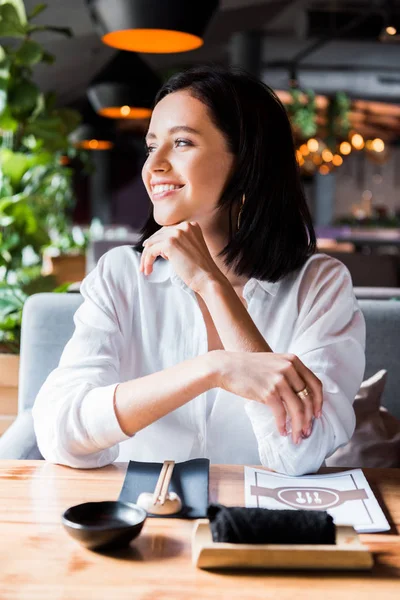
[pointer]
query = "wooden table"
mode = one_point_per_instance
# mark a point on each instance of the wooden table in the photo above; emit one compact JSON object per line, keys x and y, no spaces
{"x":38,"y":560}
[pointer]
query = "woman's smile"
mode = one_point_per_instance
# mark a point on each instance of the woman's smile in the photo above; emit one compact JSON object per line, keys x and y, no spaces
{"x":159,"y":192}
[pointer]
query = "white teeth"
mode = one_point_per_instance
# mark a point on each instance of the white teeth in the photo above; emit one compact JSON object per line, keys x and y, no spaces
{"x":157,"y":189}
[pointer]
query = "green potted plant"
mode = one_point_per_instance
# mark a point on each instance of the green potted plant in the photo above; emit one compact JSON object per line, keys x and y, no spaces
{"x":36,"y":197}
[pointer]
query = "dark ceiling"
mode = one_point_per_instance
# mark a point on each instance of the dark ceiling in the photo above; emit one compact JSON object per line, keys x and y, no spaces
{"x":353,"y":61}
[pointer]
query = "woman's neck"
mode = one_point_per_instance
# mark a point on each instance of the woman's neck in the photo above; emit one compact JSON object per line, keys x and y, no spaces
{"x":215,"y":243}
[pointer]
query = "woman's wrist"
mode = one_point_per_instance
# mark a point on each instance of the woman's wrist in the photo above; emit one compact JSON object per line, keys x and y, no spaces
{"x":217,"y":362}
{"x":211,"y":286}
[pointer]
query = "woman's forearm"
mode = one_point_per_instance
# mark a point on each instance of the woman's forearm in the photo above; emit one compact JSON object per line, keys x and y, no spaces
{"x":140,"y":402}
{"x":235,"y":327}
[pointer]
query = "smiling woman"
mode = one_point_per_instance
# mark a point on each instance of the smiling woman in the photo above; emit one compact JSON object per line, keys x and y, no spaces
{"x":221,"y":334}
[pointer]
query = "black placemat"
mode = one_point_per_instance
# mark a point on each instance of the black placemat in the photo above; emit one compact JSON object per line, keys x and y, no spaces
{"x":189,"y":481}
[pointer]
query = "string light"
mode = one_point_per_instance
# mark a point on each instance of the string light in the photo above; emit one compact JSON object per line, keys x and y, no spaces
{"x":345,"y":148}
{"x":300,"y":158}
{"x":312,"y":145}
{"x":304,"y":150}
{"x":327,"y":155}
{"x":391,"y":30}
{"x":378,"y":145}
{"x":337,"y":160}
{"x":324,"y":169}
{"x":358,"y":141}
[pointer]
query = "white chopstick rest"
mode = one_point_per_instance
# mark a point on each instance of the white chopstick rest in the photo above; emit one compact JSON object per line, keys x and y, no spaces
{"x":161,"y":502}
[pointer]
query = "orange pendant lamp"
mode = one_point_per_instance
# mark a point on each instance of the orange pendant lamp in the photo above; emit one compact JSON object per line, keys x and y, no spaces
{"x":125,"y":88}
{"x":156,"y":26}
{"x":94,"y":133}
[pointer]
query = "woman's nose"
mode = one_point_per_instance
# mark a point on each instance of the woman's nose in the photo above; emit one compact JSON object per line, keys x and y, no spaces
{"x":158,"y":162}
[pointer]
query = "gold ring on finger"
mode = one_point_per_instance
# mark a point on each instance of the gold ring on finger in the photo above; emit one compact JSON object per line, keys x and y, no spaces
{"x":302,"y":394}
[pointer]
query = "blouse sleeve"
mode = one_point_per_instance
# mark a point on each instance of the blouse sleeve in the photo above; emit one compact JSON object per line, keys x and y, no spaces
{"x":329,"y":338}
{"x":74,"y":416}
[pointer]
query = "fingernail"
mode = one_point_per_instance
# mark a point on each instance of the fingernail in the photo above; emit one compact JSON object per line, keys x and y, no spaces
{"x":284,"y":432}
{"x":319,"y":414}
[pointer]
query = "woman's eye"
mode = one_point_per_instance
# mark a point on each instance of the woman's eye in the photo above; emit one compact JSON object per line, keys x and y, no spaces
{"x":180,"y":143}
{"x":149,"y":149}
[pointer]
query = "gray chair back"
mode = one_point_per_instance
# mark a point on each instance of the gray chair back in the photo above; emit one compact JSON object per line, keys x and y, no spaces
{"x":383,"y":347}
{"x":47,"y":325}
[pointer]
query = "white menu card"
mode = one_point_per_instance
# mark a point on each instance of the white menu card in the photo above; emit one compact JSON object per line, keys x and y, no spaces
{"x":346,"y":496}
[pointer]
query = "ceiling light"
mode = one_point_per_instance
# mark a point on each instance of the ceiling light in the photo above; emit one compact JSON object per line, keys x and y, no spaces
{"x":157,"y":26}
{"x":391,"y":23}
{"x":94,"y":133}
{"x":88,"y":137}
{"x":125,"y":88}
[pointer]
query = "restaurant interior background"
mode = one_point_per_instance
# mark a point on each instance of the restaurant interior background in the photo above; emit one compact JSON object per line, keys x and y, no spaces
{"x":74,"y":110}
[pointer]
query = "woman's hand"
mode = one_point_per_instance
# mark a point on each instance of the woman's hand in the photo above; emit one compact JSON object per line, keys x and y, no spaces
{"x":184,"y":246}
{"x":274,"y":380}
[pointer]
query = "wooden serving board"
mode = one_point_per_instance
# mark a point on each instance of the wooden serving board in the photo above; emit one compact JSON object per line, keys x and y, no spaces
{"x":348,"y":553}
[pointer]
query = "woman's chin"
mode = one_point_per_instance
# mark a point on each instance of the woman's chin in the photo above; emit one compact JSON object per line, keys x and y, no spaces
{"x":167,"y":219}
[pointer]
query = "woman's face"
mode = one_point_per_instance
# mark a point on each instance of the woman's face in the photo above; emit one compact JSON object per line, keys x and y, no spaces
{"x":188,"y":163}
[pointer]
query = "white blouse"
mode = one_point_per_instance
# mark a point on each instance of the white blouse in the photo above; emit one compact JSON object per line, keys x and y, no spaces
{"x":131,"y":325}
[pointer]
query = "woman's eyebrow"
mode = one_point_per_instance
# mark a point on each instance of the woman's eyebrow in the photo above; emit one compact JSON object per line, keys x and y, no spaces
{"x":175,"y":129}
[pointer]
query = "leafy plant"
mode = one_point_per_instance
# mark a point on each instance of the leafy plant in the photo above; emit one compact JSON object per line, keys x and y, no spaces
{"x":12,"y":300}
{"x":338,"y":119}
{"x":36,"y":195}
{"x":302,"y":112}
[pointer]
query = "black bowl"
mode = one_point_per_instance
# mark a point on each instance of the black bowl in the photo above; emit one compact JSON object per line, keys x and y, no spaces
{"x":104,"y":525}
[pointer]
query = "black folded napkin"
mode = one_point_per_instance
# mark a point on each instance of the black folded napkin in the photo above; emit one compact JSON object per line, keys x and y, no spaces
{"x":238,"y":525}
{"x":189,"y":480}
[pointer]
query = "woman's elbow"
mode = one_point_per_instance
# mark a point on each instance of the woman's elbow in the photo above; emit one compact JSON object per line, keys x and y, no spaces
{"x":59,"y":455}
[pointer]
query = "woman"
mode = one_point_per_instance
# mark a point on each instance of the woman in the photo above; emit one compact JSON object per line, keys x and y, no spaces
{"x":222,"y":334}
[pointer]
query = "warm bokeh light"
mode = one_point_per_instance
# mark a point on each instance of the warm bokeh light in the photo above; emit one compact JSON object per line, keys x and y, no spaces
{"x":327,"y":155}
{"x":317,"y":160}
{"x":358,"y":141}
{"x":299,"y":157}
{"x":391,"y":30}
{"x":125,"y":112}
{"x":337,"y":160}
{"x":378,"y":145}
{"x":157,"y":41}
{"x":304,"y":150}
{"x":324,"y":169}
{"x":345,"y":148}
{"x":313,"y":145}
{"x":94,"y":144}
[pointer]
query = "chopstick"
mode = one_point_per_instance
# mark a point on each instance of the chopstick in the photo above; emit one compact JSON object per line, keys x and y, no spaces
{"x":161,"y":490}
